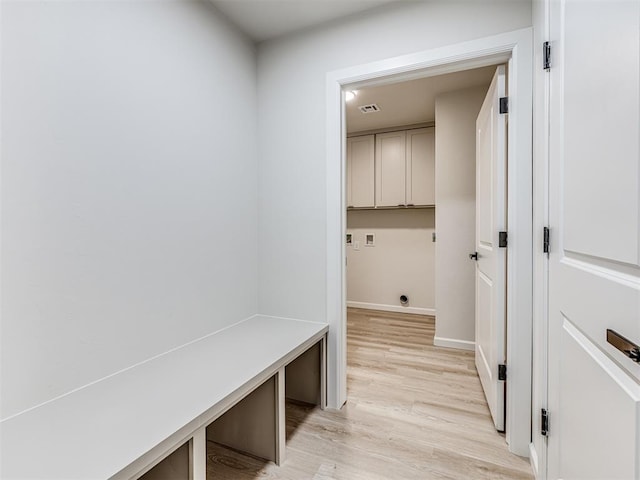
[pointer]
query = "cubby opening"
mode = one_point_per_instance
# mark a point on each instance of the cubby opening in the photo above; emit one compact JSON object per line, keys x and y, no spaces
{"x":175,"y":467}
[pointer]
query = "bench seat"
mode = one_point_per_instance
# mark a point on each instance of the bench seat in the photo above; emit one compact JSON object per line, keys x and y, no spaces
{"x":119,"y":426}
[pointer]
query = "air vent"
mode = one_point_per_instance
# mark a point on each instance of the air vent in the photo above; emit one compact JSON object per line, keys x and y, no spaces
{"x":371,"y":108}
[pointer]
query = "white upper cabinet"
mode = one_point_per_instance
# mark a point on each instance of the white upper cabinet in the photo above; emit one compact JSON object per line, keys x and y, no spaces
{"x":405,"y":168}
{"x":360,"y":171}
{"x":420,"y":167}
{"x":394,"y":169}
{"x":391,"y":169}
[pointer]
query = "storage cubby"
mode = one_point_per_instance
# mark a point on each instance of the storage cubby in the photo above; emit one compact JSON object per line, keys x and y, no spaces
{"x":250,"y":426}
{"x":304,"y":377}
{"x":175,"y":467}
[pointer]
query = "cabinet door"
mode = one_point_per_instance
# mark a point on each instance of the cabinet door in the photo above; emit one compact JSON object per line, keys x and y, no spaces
{"x":360,"y":171}
{"x":421,"y":167}
{"x":391,"y":169}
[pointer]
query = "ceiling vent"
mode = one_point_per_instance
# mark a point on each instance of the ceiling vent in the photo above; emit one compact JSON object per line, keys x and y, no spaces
{"x":371,"y":108}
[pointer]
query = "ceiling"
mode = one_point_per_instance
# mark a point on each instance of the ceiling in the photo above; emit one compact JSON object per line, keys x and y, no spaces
{"x":409,"y":102}
{"x":265,"y":19}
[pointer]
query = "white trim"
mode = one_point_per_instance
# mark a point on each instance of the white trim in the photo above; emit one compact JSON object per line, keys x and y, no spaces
{"x":520,"y":251}
{"x":454,"y":343}
{"x":198,"y":454}
{"x":533,"y":460}
{"x":392,"y":308}
{"x":540,"y":220}
{"x":515,"y":47}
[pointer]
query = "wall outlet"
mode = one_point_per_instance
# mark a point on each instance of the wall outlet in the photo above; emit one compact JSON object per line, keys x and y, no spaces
{"x":370,"y":240}
{"x":356,"y":245}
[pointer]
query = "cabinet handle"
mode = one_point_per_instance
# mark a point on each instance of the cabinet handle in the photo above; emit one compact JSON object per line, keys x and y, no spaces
{"x":401,"y":205}
{"x":625,"y":345}
{"x":474,"y":256}
{"x":410,"y":205}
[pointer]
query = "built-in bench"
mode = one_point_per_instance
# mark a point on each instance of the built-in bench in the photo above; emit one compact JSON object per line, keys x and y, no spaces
{"x":153,"y":420}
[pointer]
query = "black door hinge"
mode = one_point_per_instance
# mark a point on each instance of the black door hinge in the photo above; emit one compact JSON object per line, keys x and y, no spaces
{"x":502,"y":372}
{"x":504,"y":104}
{"x":544,"y":422}
{"x":502,"y":239}
{"x":546,"y":54}
{"x":545,"y":240}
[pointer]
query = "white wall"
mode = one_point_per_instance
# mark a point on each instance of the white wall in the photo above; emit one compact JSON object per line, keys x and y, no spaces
{"x":456,"y":114}
{"x":129,"y":178}
{"x":400,"y":263}
{"x":292,"y":115}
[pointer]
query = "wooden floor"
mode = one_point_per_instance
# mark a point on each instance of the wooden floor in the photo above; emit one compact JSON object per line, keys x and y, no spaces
{"x":415,"y":411}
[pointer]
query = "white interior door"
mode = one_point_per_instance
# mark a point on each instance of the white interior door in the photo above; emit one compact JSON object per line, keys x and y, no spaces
{"x":491,"y":218}
{"x":594,"y":264}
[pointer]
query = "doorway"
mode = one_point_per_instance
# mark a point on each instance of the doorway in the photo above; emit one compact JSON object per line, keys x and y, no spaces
{"x":392,"y":209}
{"x":401,"y":190}
{"x":515,"y":49}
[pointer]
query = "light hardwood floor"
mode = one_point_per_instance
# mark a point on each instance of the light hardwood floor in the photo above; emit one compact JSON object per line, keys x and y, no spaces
{"x":415,"y":411}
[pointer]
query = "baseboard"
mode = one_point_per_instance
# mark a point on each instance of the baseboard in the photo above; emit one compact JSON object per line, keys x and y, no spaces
{"x":533,"y":460}
{"x":392,"y":308}
{"x":454,"y":343}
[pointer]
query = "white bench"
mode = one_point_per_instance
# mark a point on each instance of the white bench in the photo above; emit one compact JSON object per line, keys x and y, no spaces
{"x":123,"y":426}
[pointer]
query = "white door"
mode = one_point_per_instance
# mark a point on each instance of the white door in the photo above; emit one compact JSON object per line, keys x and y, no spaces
{"x":491,"y":259}
{"x":390,"y":169}
{"x":594,"y":263}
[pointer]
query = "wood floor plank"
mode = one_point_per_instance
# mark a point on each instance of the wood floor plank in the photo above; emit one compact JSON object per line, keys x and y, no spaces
{"x":415,"y":411}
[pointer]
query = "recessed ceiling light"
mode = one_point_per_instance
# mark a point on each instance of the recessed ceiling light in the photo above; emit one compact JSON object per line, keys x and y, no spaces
{"x":350,"y":95}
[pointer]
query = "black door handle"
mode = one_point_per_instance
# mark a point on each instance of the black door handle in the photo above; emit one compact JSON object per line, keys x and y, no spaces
{"x":474,"y":256}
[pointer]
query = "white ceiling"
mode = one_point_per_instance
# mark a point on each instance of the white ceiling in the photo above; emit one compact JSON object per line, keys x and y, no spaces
{"x":409,"y":102}
{"x":265,"y":19}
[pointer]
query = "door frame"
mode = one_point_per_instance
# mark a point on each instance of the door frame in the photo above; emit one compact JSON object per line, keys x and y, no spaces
{"x":516,"y":49}
{"x":541,"y":80}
